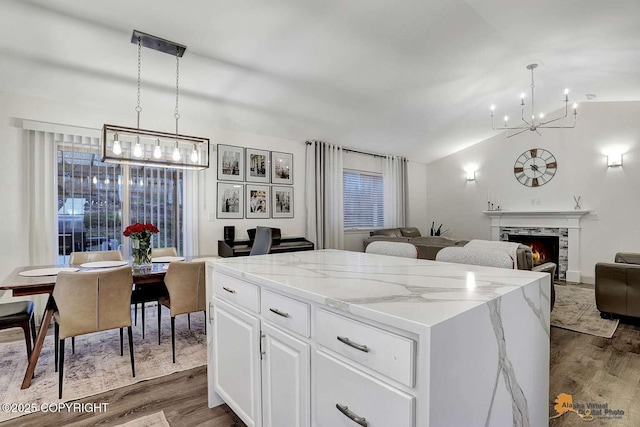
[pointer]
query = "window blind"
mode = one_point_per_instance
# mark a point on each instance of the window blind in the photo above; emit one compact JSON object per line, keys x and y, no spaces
{"x":363,"y":199}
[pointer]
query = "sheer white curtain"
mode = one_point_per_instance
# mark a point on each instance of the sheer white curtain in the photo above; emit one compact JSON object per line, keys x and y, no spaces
{"x":191,"y":210}
{"x":323,"y":195}
{"x":394,"y":175}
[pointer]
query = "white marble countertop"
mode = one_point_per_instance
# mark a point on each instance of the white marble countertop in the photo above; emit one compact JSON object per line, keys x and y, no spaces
{"x":402,"y":292}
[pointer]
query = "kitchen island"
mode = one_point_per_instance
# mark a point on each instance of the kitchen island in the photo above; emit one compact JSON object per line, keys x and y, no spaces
{"x":335,"y":338}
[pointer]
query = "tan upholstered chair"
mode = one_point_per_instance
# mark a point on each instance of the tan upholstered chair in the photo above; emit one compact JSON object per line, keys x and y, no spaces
{"x":185,"y":283}
{"x":148,"y":292}
{"x":77,"y":258}
{"x":91,"y":302}
{"x":158,"y":252}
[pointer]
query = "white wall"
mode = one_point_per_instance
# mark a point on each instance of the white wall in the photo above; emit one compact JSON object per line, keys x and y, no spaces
{"x":14,"y":249}
{"x":416,"y":188}
{"x":612,"y":193}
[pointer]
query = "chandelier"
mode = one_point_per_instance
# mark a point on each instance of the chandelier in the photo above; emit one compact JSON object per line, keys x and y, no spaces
{"x":536,"y":122}
{"x":142,"y":147}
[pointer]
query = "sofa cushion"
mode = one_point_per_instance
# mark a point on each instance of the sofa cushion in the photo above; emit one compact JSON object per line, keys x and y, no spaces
{"x":410,"y":232}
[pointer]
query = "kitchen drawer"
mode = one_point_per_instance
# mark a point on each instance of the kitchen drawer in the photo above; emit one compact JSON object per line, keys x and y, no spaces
{"x":237,"y":291}
{"x":382,"y":351}
{"x":286,"y":312}
{"x":343,"y":396}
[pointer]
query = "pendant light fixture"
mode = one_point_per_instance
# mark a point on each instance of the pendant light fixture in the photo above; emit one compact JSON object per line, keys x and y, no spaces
{"x":135,"y":146}
{"x":536,"y":122}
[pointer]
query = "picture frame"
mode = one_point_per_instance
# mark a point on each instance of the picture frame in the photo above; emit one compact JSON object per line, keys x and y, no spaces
{"x":281,"y":168}
{"x":257,"y":165}
{"x":281,"y":202}
{"x":230,"y":201}
{"x":257,"y":201}
{"x":230,"y":163}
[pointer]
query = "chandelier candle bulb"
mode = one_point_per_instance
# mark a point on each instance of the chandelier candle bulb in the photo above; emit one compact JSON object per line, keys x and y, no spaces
{"x":157,"y":151}
{"x":137,"y":150}
{"x":117,"y":147}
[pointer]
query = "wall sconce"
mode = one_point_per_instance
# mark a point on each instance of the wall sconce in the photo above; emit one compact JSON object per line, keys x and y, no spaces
{"x":471,"y":175}
{"x":614,"y":160}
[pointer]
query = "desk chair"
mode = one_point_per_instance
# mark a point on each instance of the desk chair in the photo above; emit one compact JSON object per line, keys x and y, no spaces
{"x":186,"y":285}
{"x":19,"y":315}
{"x":89,"y":302}
{"x":262,"y":242}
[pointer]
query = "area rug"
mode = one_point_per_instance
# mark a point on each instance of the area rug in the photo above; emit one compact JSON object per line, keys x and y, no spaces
{"x":97,"y":366}
{"x":575,"y":309}
{"x":154,"y":420}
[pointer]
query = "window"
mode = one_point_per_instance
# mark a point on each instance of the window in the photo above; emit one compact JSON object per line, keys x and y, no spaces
{"x":97,"y":200}
{"x":363,"y":199}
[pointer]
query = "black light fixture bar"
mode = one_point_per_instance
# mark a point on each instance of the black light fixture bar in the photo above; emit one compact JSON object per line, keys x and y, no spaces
{"x":157,"y":43}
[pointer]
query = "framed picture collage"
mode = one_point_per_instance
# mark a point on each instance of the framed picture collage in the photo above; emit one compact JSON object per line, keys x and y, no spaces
{"x":255,"y":183}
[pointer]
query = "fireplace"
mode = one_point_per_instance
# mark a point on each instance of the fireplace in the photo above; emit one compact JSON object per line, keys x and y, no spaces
{"x":544,"y":248}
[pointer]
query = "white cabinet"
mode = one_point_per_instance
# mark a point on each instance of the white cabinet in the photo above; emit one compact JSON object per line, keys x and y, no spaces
{"x":236,"y":361}
{"x":285,"y":379}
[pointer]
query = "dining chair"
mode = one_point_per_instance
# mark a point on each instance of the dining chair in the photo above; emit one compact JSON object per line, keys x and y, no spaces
{"x":92,"y":301}
{"x":77,"y":258}
{"x":150,"y":292}
{"x":19,"y":315}
{"x":158,"y":252}
{"x":262,"y":242}
{"x":475,"y":256}
{"x":398,"y":249}
{"x":185,"y":282}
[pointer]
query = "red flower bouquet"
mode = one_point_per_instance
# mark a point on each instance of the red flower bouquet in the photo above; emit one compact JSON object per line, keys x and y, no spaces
{"x":140,"y":235}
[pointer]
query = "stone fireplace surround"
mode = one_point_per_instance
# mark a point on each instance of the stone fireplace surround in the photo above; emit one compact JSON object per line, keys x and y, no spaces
{"x":564,"y":224}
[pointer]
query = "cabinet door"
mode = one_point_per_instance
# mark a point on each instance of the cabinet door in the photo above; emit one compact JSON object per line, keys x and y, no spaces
{"x":236,"y":361}
{"x":285,"y":379}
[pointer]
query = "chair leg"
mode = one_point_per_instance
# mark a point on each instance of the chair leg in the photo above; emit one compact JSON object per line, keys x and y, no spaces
{"x":205,"y":321}
{"x":159,"y":320}
{"x":27,"y":337}
{"x":33,"y":328}
{"x":133,"y":365}
{"x":61,"y":368}
{"x":173,"y":338}
{"x":142,"y":320}
{"x":73,"y":345}
{"x":189,"y":320}
{"x":135,"y":314}
{"x":121,"y":342}
{"x":56,"y":333}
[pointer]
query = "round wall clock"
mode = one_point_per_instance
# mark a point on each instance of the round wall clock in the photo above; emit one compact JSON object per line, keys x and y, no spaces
{"x":535,"y":167}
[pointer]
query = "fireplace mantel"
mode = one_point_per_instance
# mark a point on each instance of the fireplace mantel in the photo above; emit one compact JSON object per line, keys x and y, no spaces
{"x":569,"y":219}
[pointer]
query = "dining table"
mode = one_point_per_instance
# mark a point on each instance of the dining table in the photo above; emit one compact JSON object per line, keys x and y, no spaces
{"x":21,"y":286}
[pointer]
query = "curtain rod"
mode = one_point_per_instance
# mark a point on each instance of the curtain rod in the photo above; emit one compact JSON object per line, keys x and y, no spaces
{"x":349,"y":150}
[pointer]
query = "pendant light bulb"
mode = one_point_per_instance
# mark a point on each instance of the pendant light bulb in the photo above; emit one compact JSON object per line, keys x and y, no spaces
{"x":157,"y":152}
{"x":194,"y":154}
{"x":176,"y":153}
{"x":137,"y":150}
{"x":117,"y":148}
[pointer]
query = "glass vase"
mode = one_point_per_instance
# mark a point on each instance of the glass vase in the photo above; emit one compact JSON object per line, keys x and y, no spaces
{"x":141,"y":253}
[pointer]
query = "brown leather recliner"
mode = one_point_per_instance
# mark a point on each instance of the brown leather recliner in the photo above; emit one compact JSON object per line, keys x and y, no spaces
{"x":618,"y":286}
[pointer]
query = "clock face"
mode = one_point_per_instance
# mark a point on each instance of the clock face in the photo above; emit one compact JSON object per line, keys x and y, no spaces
{"x":535,"y":167}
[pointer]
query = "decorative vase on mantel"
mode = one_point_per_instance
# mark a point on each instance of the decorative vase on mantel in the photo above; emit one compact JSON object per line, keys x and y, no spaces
{"x":140,"y":236}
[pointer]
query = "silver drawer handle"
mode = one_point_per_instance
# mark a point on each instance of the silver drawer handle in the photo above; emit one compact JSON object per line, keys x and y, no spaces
{"x":345,"y":410}
{"x":231,"y":291}
{"x":278,"y":312}
{"x":347,"y":341}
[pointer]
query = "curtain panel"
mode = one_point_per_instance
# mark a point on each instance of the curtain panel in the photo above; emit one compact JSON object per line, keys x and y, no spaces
{"x":394,"y":175}
{"x":324,"y":195}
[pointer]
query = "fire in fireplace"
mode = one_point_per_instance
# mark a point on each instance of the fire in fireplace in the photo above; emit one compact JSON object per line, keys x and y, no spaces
{"x":543,"y":248}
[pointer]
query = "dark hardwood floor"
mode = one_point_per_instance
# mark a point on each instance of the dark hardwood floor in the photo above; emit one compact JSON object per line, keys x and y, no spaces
{"x":591,"y":369}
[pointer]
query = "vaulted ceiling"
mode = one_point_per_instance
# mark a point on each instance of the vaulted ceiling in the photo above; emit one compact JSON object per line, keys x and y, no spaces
{"x":410,"y":77}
